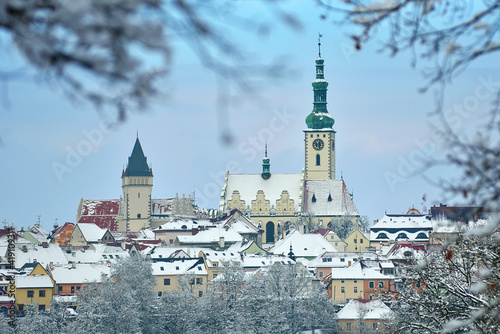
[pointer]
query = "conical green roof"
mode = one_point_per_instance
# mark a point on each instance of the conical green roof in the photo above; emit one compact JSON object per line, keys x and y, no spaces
{"x":137,"y":162}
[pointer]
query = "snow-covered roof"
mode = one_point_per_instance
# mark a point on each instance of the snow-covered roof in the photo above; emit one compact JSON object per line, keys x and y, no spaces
{"x":52,"y":253}
{"x":92,"y":232}
{"x":249,"y":184}
{"x":80,"y":273}
{"x":328,"y":197}
{"x":413,"y":227}
{"x":179,"y":267}
{"x":258,"y":261}
{"x":303,"y":245}
{"x":65,"y":299}
{"x":184,"y":225}
{"x":357,"y":271}
{"x":211,"y":235}
{"x":34,"y":281}
{"x":340,"y":259}
{"x":100,"y":212}
{"x":373,"y":309}
{"x":99,"y":253}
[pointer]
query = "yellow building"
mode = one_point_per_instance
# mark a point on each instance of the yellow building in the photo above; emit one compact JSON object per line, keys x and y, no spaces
{"x":189,"y":274}
{"x":274,"y":201}
{"x":364,"y":316}
{"x":356,"y":242}
{"x":36,"y":288}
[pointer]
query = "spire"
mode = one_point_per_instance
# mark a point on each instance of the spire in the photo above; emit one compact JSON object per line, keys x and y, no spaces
{"x":319,"y":118}
{"x":266,"y":166}
{"x":319,"y":45}
{"x":137,"y":162}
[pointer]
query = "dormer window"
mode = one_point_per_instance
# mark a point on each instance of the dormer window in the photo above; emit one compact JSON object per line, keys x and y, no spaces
{"x":314,"y":198}
{"x":329,"y":197}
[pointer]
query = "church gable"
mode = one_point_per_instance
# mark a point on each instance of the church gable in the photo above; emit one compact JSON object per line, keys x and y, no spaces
{"x":285,"y":205}
{"x":235,"y":202}
{"x":248,"y":185}
{"x":260,"y":206}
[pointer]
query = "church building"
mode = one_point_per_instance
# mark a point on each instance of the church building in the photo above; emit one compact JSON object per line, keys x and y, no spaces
{"x":276,"y":201}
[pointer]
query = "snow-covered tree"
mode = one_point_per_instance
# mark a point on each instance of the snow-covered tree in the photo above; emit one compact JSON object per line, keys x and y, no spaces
{"x":122,"y":303}
{"x":451,"y":290}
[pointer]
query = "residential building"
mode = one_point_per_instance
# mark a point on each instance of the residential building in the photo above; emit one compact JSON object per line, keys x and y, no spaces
{"x":190,"y":274}
{"x":356,"y":241}
{"x":364,"y":316}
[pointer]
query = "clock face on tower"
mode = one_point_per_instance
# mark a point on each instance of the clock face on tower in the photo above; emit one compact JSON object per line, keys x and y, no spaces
{"x":318,"y":144}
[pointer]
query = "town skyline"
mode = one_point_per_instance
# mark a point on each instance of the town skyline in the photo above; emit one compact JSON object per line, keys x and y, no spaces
{"x":381,"y":119}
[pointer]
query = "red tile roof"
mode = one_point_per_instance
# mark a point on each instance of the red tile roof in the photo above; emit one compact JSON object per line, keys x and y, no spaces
{"x":103,"y":213}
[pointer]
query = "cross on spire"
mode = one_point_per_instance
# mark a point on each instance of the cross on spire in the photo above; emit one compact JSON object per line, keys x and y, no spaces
{"x":319,"y":44}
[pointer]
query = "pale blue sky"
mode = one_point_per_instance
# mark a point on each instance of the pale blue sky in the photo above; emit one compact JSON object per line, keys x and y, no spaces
{"x":381,"y":121}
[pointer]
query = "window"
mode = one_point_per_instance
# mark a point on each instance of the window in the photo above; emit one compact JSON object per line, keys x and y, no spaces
{"x":320,"y":274}
{"x":31,"y":293}
{"x":342,"y":289}
{"x":382,"y":236}
{"x":348,"y":326}
{"x":355,"y":241}
{"x":78,"y":288}
{"x":402,"y":236}
{"x":111,"y":256}
{"x":159,"y":293}
{"x":21,"y":307}
{"x":59,"y":288}
{"x":360,"y":241}
{"x":138,"y":195}
{"x":171,"y":241}
{"x":381,"y":284}
{"x":199,"y":281}
{"x":41,"y":293}
{"x":371,"y":285}
{"x":355,"y":281}
{"x":355,"y":289}
{"x":375,"y":326}
{"x":138,"y":215}
{"x":72,"y":289}
{"x":162,"y":269}
{"x":342,"y":259}
{"x":41,"y":307}
{"x":417,"y":285}
{"x":177,"y":268}
{"x":342,"y":281}
{"x":166,"y":281}
{"x":318,"y":160}
{"x":215,"y":275}
{"x":200,"y":293}
{"x":372,"y":297}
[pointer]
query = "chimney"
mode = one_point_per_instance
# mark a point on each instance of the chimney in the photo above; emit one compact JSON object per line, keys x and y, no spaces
{"x":221,"y":242}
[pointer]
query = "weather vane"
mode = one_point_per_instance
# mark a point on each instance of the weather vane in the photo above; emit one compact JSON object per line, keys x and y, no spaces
{"x":319,"y":44}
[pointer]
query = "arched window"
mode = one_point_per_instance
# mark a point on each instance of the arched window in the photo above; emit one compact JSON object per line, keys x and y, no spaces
{"x":270,"y":232}
{"x":318,"y":160}
{"x":382,"y":236}
{"x":402,"y":236}
{"x":421,"y":236}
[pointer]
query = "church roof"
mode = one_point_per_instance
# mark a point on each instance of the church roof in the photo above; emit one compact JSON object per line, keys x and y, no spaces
{"x":249,"y":184}
{"x":137,"y":162}
{"x":328,"y":197}
{"x":303,"y":245}
{"x":100,"y":212}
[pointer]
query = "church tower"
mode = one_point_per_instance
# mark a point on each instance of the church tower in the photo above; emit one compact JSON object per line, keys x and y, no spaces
{"x":319,"y":135}
{"x":137,"y":185}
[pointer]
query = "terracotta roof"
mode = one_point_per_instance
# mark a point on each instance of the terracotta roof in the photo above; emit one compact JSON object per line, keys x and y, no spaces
{"x":100,"y":212}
